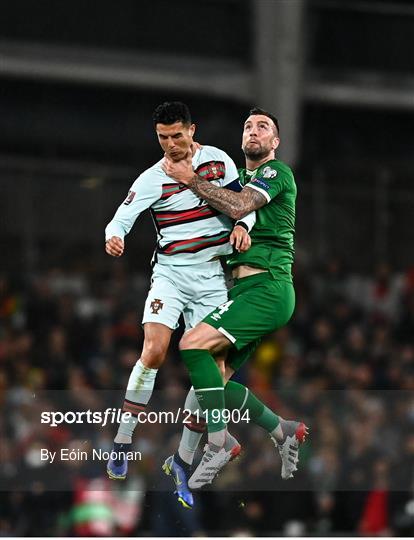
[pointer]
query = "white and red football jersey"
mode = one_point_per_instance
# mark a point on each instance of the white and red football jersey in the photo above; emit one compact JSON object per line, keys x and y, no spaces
{"x":189,"y":231}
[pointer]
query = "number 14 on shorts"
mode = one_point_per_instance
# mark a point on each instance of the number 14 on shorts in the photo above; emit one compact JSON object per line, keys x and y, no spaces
{"x":221,"y":309}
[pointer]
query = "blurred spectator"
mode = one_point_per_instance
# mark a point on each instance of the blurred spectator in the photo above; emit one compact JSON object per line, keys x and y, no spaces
{"x":345,"y":363}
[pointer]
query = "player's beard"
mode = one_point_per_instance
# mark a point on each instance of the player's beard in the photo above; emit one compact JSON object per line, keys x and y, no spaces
{"x":256,"y":153}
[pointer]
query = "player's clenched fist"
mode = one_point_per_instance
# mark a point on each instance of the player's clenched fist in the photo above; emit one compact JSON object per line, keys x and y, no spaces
{"x":114,"y":246}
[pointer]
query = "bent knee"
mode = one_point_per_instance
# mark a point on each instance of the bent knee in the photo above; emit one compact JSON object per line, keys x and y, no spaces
{"x":205,"y":337}
{"x":190,"y":340}
{"x":153,"y":354}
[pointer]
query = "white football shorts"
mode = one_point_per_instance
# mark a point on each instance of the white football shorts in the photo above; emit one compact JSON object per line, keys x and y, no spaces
{"x":193,"y":290}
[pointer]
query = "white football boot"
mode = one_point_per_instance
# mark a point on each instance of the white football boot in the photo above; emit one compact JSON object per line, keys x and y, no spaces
{"x":294,"y":434}
{"x":210,"y":465}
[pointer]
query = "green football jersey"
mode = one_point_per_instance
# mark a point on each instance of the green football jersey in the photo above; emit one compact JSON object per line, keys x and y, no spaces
{"x":273,"y":234}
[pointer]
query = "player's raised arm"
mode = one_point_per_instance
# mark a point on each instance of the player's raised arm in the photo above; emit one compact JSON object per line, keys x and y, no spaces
{"x":143,"y":193}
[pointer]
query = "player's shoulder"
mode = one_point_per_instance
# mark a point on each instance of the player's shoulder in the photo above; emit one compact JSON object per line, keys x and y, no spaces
{"x":153,"y":173}
{"x":155,"y":169}
{"x":274,"y":169}
{"x":149,"y":181}
{"x":213,"y":153}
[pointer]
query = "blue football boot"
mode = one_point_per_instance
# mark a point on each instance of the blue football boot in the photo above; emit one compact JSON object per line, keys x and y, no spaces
{"x":117,"y":468}
{"x":179,"y":475}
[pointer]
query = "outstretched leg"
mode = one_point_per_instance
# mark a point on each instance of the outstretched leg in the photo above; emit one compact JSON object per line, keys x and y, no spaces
{"x":139,"y":391}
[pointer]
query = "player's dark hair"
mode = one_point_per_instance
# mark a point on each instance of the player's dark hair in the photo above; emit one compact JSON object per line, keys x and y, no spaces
{"x":258,"y":110}
{"x":171,"y":112}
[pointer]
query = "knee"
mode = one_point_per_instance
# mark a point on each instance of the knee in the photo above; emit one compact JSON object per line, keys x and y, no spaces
{"x":153,"y":354}
{"x":190,"y":340}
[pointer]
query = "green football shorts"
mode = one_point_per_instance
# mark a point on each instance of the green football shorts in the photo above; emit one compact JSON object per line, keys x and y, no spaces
{"x":257,"y":306}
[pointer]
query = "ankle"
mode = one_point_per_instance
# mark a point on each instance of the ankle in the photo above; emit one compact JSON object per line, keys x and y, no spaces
{"x":217,"y":438}
{"x":230,"y":442}
{"x":277,"y":433}
{"x":120,"y":450}
{"x":214,"y":448}
{"x":179,"y":461}
{"x":121,"y":438}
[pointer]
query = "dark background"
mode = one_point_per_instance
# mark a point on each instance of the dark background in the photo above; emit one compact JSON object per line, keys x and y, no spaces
{"x":78,"y":83}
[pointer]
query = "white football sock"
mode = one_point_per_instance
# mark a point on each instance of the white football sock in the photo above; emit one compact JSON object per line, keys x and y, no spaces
{"x":217,"y":438}
{"x":277,"y":433}
{"x":190,"y":439}
{"x":139,"y":391}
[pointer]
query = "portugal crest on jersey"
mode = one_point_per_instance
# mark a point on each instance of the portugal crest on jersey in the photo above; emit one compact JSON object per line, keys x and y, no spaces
{"x":211,"y":170}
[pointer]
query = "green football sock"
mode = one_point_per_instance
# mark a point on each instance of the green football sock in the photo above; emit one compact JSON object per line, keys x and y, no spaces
{"x":208,"y":385}
{"x":239,"y":397}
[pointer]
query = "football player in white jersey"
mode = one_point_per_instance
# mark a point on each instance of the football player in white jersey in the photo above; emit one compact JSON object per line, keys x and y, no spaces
{"x":187,"y":275}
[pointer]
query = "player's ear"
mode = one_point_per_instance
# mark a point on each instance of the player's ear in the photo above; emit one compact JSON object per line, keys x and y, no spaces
{"x":192,"y":129}
{"x":275,"y":143}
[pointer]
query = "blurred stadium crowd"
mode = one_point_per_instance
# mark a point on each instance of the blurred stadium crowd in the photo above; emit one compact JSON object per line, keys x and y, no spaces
{"x":345,"y":364}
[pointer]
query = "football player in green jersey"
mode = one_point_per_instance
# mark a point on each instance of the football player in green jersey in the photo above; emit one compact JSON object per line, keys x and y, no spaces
{"x":261,"y":300}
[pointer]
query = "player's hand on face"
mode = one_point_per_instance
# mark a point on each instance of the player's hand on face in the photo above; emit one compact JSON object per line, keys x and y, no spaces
{"x":240,"y":239}
{"x":114,"y":246}
{"x":182,"y":170}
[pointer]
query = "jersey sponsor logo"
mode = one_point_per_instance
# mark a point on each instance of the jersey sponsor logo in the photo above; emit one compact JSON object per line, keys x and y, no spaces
{"x":130,"y":197}
{"x":178,"y":217}
{"x":260,"y":183}
{"x":268,"y":172}
{"x":156,"y":305}
{"x":212,"y":170}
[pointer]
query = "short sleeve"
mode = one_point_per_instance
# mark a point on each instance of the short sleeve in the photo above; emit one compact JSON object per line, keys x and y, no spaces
{"x":270,"y":181}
